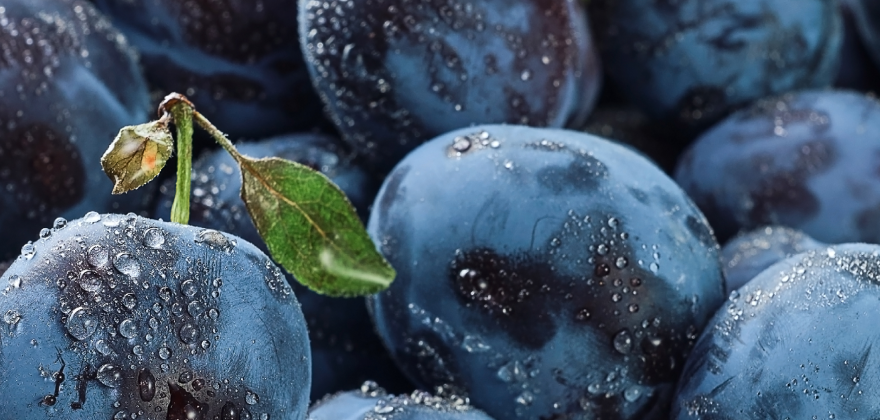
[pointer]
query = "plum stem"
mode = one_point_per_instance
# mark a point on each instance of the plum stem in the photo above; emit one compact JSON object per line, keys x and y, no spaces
{"x":182,"y":112}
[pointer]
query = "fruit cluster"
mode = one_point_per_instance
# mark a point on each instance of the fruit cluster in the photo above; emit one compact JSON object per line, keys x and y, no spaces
{"x":551,"y":181}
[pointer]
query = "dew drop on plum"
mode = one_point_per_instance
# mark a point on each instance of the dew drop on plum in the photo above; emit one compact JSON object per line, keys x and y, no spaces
{"x":81,"y":323}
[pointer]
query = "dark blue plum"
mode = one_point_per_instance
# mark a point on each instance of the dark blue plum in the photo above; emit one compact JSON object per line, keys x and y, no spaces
{"x":794,"y":343}
{"x":68,"y":83}
{"x":345,"y":348}
{"x":748,"y":254}
{"x":867,"y":17}
{"x":113,"y":316}
{"x":627,"y":125}
{"x":543,"y":273}
{"x":857,"y":69}
{"x":693,"y":61}
{"x":396,"y":73}
{"x":805,"y":160}
{"x":239,"y":61}
{"x":372,"y":403}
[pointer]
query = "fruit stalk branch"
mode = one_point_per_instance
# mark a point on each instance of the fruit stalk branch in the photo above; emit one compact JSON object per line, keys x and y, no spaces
{"x":182,"y":111}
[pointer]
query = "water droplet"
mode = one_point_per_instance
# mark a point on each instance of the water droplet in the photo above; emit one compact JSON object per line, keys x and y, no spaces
{"x":251,"y":398}
{"x":164,"y":353}
{"x":583,"y":314}
{"x":198,"y":384}
{"x":15,"y":281}
{"x":214,"y":239}
{"x":205,"y":344}
{"x":90,"y":281}
{"x":127,"y":328}
{"x":230,"y":412}
{"x":110,"y":375}
{"x":188,"y":288}
{"x":632,"y":393}
{"x":602,"y":249}
{"x":81,"y":323}
{"x":185,"y":377}
{"x":127,"y":264}
{"x":613,"y":222}
{"x":621,"y":262}
{"x":97,"y":256}
{"x":635,"y":282}
{"x":45,"y":233}
{"x":654,"y":267}
{"x":213,"y":314}
{"x":633,"y":308}
{"x":28,"y":250}
{"x":461,"y":144}
{"x":12,"y":317}
{"x":623,"y":342}
{"x":195,"y":308}
{"x":474,"y":344}
{"x":188,"y":333}
{"x":165,"y":293}
{"x":525,"y":75}
{"x":146,"y":385}
{"x":602,"y":270}
{"x":154,"y":238}
{"x":91,"y":217}
{"x":102,"y":347}
{"x":129,"y":300}
{"x":59,"y":223}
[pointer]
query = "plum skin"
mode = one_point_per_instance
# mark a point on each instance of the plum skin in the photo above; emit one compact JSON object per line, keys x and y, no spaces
{"x":694,"y":61}
{"x":68,"y":82}
{"x":534,"y":278}
{"x":806,"y":160}
{"x":795,"y":342}
{"x":148,"y":317}
{"x":393,"y":74}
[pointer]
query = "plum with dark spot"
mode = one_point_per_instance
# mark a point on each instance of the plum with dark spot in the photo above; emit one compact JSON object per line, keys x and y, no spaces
{"x":748,"y":254}
{"x":370,"y":401}
{"x":393,"y":74}
{"x":794,"y":343}
{"x":114,"y":316}
{"x":68,"y":82}
{"x":806,"y":160}
{"x":345,"y":348}
{"x":239,"y":61}
{"x":694,"y":61}
{"x":543,"y":273}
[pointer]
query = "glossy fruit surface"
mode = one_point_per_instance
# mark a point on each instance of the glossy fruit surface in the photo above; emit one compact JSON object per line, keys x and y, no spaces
{"x":694,"y":61}
{"x":369,"y":403}
{"x":239,"y":61}
{"x":805,"y":160}
{"x":114,"y":316}
{"x":551,"y":273}
{"x":68,"y":82}
{"x":750,"y":253}
{"x":796,"y":342}
{"x":394,"y":74}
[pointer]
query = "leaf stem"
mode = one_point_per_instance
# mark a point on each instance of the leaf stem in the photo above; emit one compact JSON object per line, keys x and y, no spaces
{"x":218,"y":135}
{"x":182,"y":112}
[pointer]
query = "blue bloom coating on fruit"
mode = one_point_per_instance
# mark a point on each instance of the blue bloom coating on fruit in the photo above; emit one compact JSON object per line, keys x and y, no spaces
{"x":748,"y":254}
{"x":239,"y":61}
{"x":542,"y":273}
{"x":68,"y":83}
{"x":368,"y":402}
{"x":114,"y":315}
{"x":796,"y":342}
{"x":694,"y":61}
{"x":345,"y":348}
{"x":805,"y":160}
{"x":394,"y":74}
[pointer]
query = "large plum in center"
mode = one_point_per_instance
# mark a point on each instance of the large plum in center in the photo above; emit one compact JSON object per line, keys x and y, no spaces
{"x":543,"y":273}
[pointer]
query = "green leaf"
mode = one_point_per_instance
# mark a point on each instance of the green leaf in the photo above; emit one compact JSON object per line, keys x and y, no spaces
{"x":311,"y":228}
{"x":137,"y":154}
